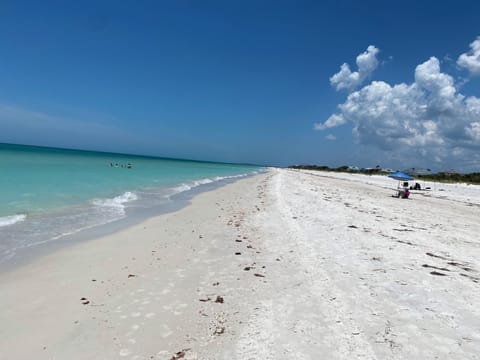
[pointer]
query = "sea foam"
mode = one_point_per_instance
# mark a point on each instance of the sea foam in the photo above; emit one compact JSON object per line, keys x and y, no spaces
{"x":116,"y":203}
{"x":12,"y":219}
{"x":195,"y":183}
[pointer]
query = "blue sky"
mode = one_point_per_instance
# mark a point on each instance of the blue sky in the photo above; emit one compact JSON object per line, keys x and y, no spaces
{"x":245,"y":81}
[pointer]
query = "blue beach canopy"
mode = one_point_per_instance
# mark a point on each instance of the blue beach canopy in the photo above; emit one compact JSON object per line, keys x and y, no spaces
{"x":400,"y":176}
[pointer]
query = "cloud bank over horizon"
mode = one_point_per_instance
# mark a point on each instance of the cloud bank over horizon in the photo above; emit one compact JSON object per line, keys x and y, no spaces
{"x":428,"y":121}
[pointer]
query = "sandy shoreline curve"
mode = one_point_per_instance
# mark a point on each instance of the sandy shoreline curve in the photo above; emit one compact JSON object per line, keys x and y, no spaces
{"x":282,"y":265}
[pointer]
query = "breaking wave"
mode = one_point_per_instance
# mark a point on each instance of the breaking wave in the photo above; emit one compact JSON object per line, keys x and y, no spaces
{"x":12,"y":219}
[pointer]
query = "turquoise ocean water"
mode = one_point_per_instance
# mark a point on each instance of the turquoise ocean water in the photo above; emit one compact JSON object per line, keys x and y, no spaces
{"x":47,"y":194}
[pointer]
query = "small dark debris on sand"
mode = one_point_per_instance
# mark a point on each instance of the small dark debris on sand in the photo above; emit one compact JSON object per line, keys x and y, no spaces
{"x":258,"y":275}
{"x":131,"y":275}
{"x":473,"y":278}
{"x":219,"y":330}
{"x":454,"y":263}
{"x":353,"y":227}
{"x":462,"y":266}
{"x":436,"y":256}
{"x":179,"y":355}
{"x":205,"y":300}
{"x":437,"y":273}
{"x":435,"y":267}
{"x":219,"y":299}
{"x":406,"y":242}
{"x":85,"y":301}
{"x":238,"y":253}
{"x":247,"y":268}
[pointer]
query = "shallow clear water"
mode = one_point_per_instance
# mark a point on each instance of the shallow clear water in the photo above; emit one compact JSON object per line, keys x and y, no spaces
{"x":48,"y":193}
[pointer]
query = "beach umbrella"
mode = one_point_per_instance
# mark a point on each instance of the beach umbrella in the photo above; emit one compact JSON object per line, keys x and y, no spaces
{"x":400,"y":176}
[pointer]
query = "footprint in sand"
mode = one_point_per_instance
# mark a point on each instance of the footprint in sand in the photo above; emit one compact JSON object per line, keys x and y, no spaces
{"x":165,"y":334}
{"x":133,"y":328}
{"x":124,"y":352}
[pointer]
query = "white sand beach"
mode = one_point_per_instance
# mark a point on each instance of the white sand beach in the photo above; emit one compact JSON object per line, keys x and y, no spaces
{"x":283,"y":265}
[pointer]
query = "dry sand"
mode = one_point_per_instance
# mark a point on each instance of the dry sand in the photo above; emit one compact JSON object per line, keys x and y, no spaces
{"x":284,"y":265}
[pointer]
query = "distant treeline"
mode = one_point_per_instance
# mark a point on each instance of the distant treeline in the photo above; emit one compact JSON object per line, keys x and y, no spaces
{"x":311,"y":167}
{"x":339,"y":169}
{"x":472,"y":178}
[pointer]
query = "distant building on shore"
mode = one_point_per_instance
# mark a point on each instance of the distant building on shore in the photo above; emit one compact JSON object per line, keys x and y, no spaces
{"x":416,"y":171}
{"x":372,"y":170}
{"x":449,"y":172}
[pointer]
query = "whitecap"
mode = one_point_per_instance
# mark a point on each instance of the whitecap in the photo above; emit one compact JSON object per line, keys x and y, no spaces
{"x":181,"y":188}
{"x":117,"y":203}
{"x":203,"y":181}
{"x":12,"y":219}
{"x":195,"y":183}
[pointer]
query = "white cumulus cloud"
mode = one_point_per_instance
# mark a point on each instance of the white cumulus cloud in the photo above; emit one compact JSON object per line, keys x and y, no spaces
{"x":471,"y":60}
{"x":422,"y":122}
{"x":331,"y":137}
{"x":473,"y":131}
{"x":346,"y":79}
{"x":332,"y":121}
